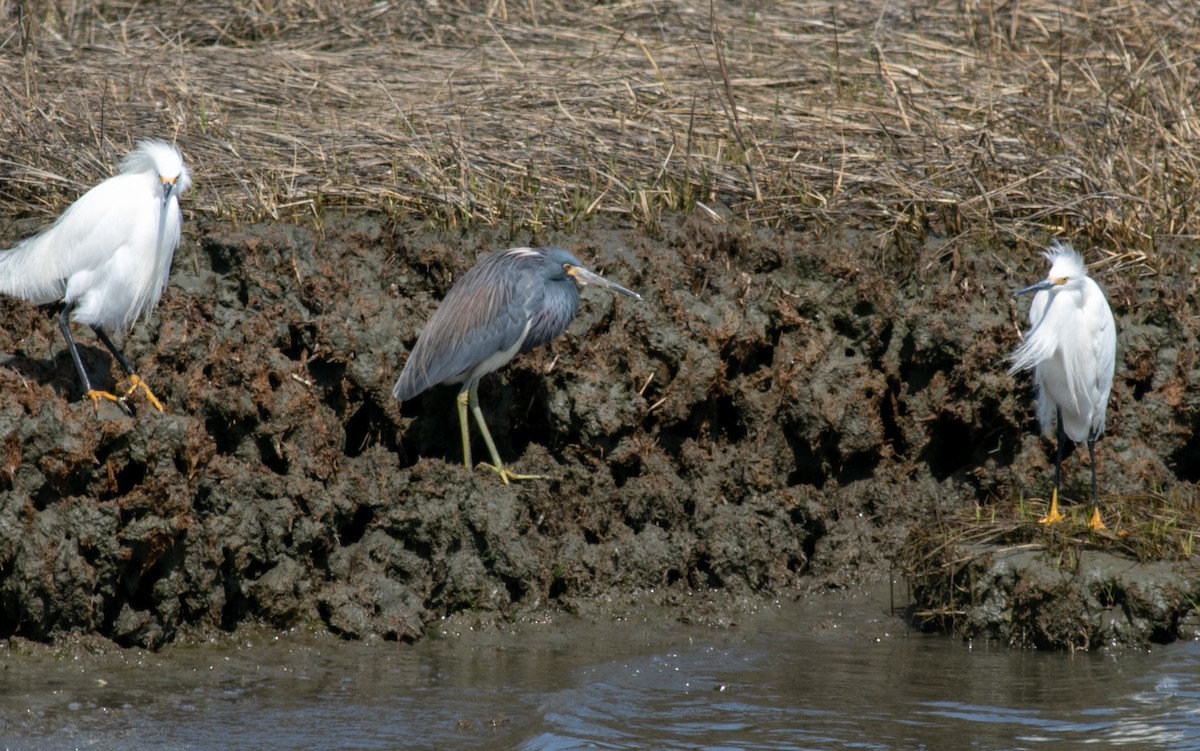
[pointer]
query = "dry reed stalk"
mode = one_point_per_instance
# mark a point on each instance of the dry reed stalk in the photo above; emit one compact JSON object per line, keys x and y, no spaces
{"x":944,"y":118}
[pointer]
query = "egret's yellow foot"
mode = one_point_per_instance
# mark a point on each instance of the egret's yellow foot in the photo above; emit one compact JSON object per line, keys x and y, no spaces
{"x":1095,"y":523}
{"x":135,"y":382}
{"x":1052,"y":516}
{"x":96,"y":396}
{"x":507,"y":474}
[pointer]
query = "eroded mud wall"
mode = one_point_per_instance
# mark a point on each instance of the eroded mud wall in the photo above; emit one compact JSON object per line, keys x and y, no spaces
{"x":775,"y":414}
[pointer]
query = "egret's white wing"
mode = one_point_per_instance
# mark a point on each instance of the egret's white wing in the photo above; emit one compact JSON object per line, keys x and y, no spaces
{"x":84,"y":237}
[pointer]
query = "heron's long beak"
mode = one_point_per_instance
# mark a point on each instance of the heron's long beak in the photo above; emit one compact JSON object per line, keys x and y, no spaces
{"x":583,"y":276}
{"x":1044,"y":284}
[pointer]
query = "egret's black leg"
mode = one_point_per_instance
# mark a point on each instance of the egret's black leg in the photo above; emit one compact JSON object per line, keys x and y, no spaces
{"x":497,"y":466}
{"x":1062,"y":442}
{"x":1095,"y":523}
{"x":64,"y":324}
{"x":103,"y":337}
{"x":135,"y":381}
{"x":1053,"y":516}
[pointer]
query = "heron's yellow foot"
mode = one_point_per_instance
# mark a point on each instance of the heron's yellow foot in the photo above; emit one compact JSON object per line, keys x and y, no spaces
{"x":135,"y":383}
{"x":1095,"y":523}
{"x":507,"y":474}
{"x":1052,"y":516}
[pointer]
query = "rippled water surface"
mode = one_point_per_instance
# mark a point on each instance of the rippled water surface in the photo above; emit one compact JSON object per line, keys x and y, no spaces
{"x":834,"y":672}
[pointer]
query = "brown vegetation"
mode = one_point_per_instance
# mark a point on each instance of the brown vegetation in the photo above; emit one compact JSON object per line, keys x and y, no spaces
{"x":968,"y":120}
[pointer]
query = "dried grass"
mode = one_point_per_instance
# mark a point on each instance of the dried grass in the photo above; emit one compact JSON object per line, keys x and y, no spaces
{"x":1147,"y":527}
{"x":945,"y":563}
{"x":996,"y":122}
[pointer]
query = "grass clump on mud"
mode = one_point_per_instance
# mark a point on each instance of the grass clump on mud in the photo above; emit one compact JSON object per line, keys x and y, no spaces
{"x":1003,"y":575}
{"x":824,"y":205}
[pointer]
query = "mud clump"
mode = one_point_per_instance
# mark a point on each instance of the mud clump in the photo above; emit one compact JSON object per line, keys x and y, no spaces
{"x":775,"y":415}
{"x":1056,"y":596}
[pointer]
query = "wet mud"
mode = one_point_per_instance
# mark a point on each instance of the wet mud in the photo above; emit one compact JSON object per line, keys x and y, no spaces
{"x":777,"y":414}
{"x":1071,"y":598}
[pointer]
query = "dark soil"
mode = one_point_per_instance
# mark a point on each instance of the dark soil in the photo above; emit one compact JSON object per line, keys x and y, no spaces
{"x":1090,"y":598}
{"x":777,"y":414}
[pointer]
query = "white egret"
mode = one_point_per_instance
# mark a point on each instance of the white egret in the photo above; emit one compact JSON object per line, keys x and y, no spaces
{"x":107,"y":257}
{"x":1071,"y":348}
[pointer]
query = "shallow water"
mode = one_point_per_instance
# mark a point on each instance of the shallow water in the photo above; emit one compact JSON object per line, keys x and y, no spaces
{"x":831,"y":672}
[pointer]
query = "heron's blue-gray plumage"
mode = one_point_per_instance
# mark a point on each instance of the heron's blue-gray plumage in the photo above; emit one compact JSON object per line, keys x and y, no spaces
{"x":508,"y":303}
{"x":560,"y":303}
{"x":497,"y":306}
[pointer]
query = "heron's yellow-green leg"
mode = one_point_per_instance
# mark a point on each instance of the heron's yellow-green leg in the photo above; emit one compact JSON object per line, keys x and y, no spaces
{"x":462,"y":424}
{"x":496,"y":466}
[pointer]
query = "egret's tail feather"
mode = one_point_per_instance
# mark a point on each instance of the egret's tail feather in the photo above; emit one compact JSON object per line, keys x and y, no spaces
{"x":26,"y":273}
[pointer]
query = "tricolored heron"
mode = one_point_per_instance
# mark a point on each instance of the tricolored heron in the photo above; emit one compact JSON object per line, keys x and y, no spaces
{"x":507,"y":304}
{"x":1071,"y":348}
{"x":107,"y":257}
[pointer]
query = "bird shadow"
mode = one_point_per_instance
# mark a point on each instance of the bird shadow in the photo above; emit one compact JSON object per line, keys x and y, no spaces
{"x":434,"y":432}
{"x":58,"y":371}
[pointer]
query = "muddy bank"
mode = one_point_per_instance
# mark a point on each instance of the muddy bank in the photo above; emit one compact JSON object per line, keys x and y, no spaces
{"x":1056,"y":597}
{"x":776,"y":415}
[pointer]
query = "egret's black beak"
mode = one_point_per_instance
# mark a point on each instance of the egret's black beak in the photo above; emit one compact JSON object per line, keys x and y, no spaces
{"x":168,"y":184}
{"x":1044,"y":284}
{"x":583,"y":276}
{"x":168,"y":188}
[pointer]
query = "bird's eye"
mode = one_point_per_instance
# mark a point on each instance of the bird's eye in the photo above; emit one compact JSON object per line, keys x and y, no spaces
{"x":1061,"y":280}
